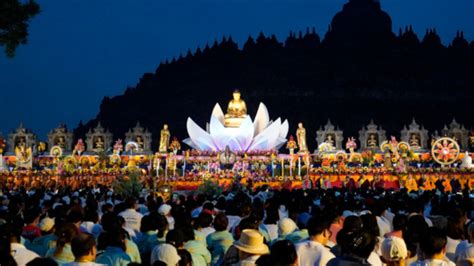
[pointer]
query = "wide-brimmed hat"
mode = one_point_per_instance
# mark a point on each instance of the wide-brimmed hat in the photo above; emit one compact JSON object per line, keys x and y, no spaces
{"x":286,"y":226}
{"x":394,"y":249}
{"x":251,"y":241}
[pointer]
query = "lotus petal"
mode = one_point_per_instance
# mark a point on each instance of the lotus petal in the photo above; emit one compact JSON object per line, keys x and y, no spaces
{"x":284,"y":130}
{"x":200,"y":137}
{"x":280,"y":143}
{"x":262,"y":119}
{"x":223,"y":136}
{"x":246,"y":133}
{"x":218,"y":133}
{"x":190,"y":143}
{"x":267,"y":138}
{"x":218,"y":113}
{"x":262,"y":134}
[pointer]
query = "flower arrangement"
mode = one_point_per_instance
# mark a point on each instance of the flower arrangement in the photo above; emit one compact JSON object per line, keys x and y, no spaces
{"x":79,"y":147}
{"x":351,"y":144}
{"x":174,"y":145}
{"x":118,"y":146}
{"x":128,"y":185}
{"x":291,"y":144}
{"x":210,"y":188}
{"x":367,"y":157}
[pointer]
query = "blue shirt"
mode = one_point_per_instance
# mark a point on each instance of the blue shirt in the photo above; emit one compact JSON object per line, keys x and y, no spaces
{"x":147,"y":241}
{"x":218,"y":243}
{"x":114,"y":256}
{"x":62,"y":258}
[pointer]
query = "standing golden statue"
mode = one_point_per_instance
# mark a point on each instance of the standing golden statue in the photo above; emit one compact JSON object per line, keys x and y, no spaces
{"x":301,"y":138}
{"x":164,"y":139}
{"x":236,"y":111}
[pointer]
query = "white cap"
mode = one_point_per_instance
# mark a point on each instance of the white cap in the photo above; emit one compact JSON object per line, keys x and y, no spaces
{"x":394,"y":249}
{"x":164,"y":209}
{"x":168,"y":254}
{"x":286,"y":226}
{"x":46,"y":224}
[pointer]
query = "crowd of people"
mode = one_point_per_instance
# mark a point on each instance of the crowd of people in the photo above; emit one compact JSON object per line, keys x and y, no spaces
{"x":94,"y":226}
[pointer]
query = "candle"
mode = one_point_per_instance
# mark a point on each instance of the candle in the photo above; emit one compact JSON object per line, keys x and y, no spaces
{"x":175,"y":165}
{"x":166,"y":167}
{"x":291,"y":166}
{"x":273,"y":168}
{"x":184,"y":165}
{"x":158,"y":168}
{"x":282,"y":167}
{"x":299,"y":166}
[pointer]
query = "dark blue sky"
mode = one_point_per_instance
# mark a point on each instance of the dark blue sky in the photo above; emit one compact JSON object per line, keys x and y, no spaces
{"x":82,"y":50}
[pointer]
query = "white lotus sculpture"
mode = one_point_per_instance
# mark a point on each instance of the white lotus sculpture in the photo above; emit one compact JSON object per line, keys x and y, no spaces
{"x":258,"y":135}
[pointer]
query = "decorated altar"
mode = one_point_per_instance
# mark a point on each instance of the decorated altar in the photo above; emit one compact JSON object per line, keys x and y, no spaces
{"x":235,"y":149}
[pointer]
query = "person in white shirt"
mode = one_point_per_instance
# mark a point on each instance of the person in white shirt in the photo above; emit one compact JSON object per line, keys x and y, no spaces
{"x":19,"y":252}
{"x":433,"y":247}
{"x":165,"y":210}
{"x":465,"y":249}
{"x":132,"y":217}
{"x":204,"y":223}
{"x":85,"y":251}
{"x":314,"y":250}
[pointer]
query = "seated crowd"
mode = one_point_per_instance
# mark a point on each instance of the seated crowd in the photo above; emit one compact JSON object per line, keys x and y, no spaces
{"x":93,"y":226}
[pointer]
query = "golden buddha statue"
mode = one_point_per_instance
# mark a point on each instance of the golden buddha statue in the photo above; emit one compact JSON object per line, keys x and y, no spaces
{"x":99,"y":143}
{"x":236,"y":111}
{"x":23,"y":153}
{"x":164,"y":139}
{"x":301,"y":138}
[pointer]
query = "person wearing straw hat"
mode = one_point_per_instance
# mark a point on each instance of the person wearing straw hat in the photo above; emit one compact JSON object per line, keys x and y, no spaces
{"x":251,"y":247}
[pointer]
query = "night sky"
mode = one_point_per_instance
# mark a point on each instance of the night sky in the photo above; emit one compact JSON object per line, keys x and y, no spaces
{"x":82,"y":50}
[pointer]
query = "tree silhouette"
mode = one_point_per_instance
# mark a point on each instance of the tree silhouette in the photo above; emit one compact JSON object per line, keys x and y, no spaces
{"x":14,"y":19}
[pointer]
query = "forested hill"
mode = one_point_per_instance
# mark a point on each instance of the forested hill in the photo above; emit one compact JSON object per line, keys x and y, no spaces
{"x":359,"y":70}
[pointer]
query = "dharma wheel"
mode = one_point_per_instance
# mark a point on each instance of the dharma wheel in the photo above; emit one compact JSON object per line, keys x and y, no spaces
{"x":445,"y":151}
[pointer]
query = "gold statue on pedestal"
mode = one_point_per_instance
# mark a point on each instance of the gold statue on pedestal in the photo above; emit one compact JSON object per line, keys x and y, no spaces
{"x":23,"y":154}
{"x":236,"y":111}
{"x":301,"y":138}
{"x":164,"y":139}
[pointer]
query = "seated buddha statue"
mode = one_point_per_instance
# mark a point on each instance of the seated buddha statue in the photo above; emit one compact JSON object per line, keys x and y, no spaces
{"x":236,"y":111}
{"x":372,"y":142}
{"x":414,"y":141}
